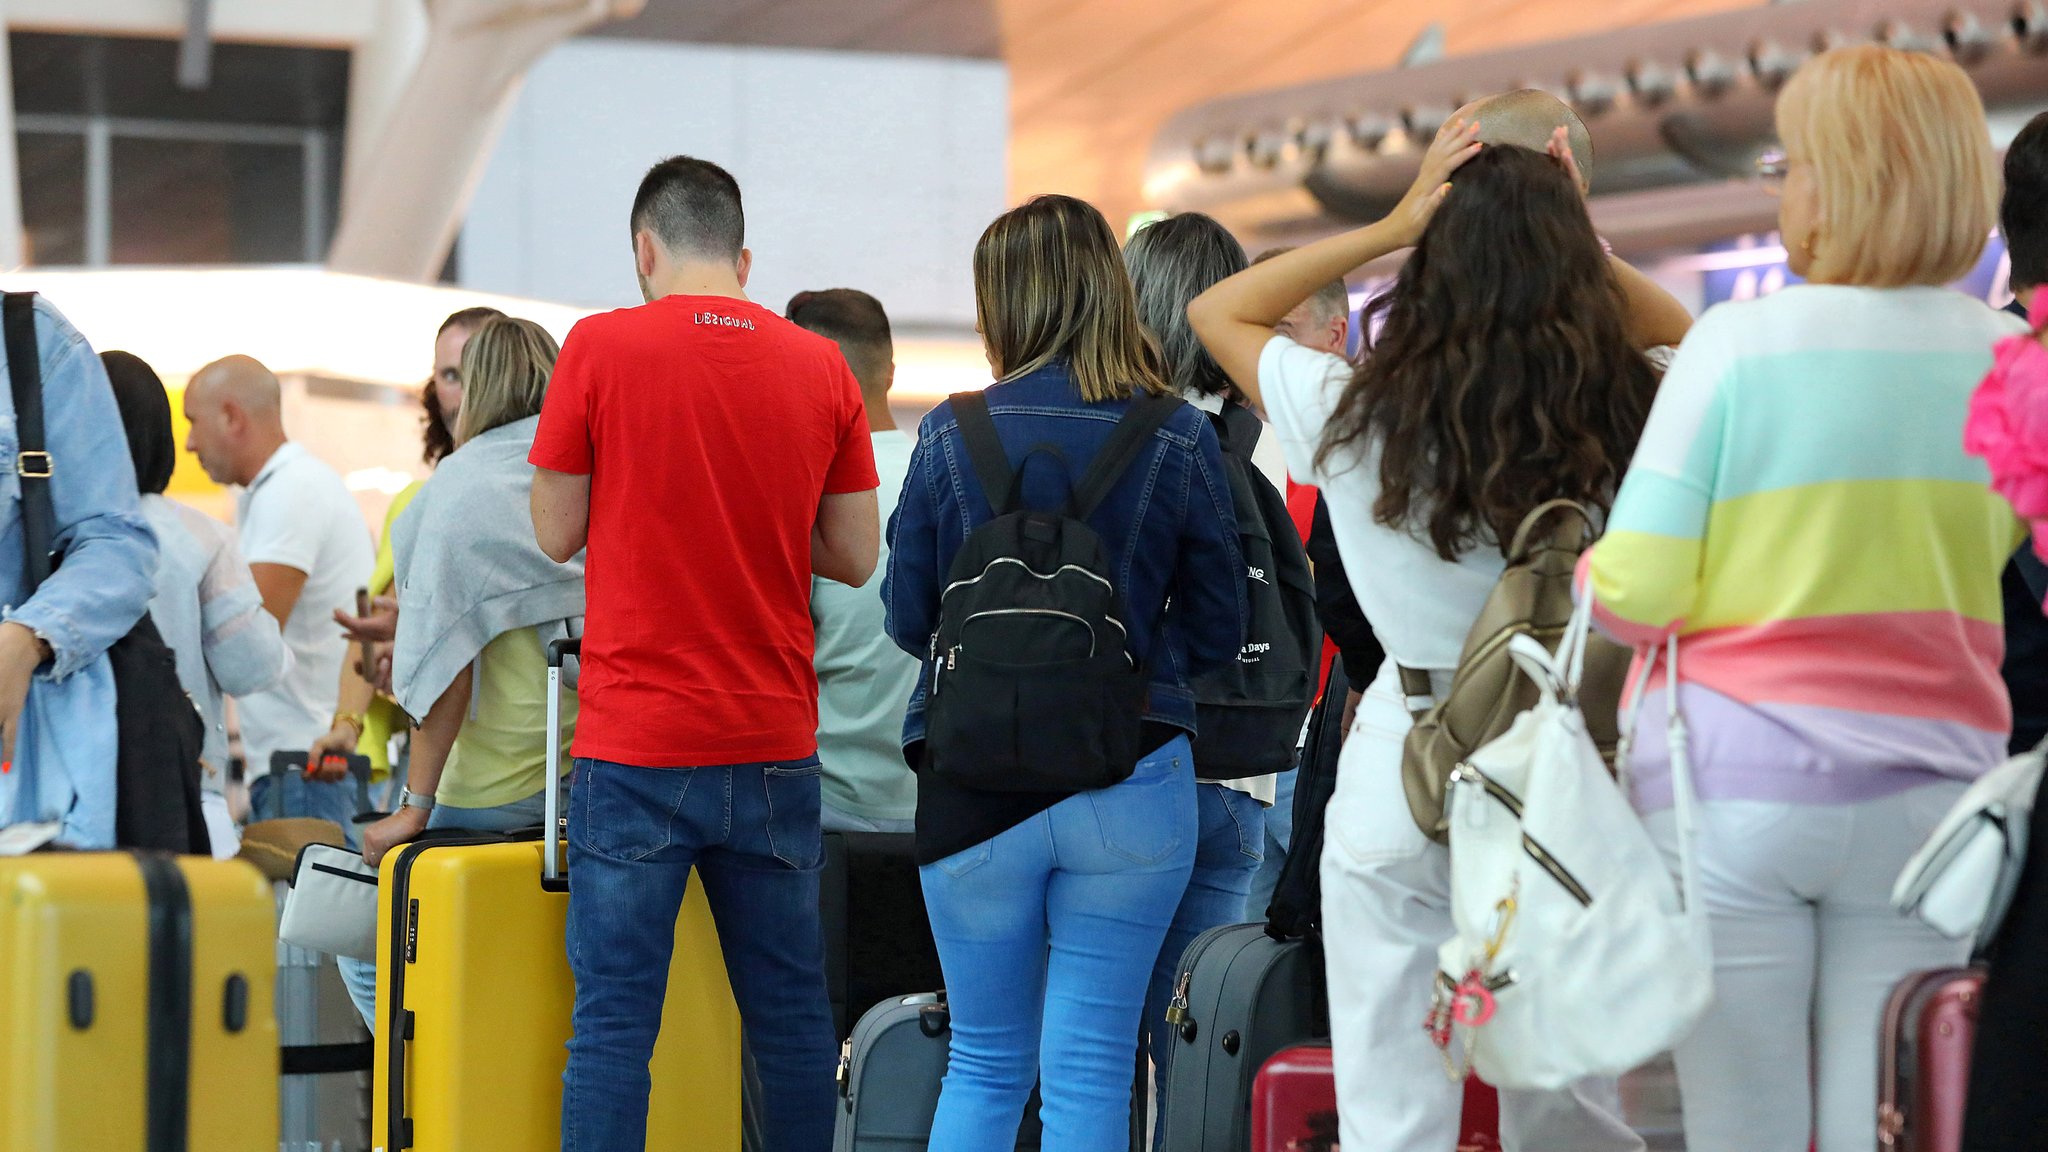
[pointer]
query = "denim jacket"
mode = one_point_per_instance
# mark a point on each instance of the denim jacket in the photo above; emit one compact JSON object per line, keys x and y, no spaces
{"x":63,"y":767}
{"x":1168,"y":526}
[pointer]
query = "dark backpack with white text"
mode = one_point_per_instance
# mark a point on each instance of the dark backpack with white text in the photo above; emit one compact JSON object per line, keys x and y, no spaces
{"x":1034,"y":687}
{"x":1249,"y":715}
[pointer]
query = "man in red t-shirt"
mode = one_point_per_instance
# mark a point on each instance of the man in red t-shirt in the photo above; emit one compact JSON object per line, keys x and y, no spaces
{"x":712,"y":456}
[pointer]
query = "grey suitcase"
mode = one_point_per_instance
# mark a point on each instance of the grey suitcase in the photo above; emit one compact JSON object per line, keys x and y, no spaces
{"x":324,"y":1101}
{"x":1241,"y":996}
{"x":889,"y":1075}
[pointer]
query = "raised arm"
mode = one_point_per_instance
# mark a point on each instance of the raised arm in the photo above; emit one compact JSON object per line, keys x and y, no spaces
{"x":1655,"y":317}
{"x":1235,"y":318}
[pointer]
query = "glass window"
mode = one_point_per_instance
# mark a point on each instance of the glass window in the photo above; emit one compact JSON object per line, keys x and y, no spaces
{"x":120,"y":164}
{"x":52,"y":196}
{"x":186,"y":202}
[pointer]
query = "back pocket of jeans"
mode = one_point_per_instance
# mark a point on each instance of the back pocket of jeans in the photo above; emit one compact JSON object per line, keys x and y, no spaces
{"x":793,"y":803}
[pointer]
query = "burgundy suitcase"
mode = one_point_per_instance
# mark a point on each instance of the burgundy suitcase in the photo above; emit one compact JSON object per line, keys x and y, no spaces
{"x":1294,"y":1106}
{"x":1923,"y":1072}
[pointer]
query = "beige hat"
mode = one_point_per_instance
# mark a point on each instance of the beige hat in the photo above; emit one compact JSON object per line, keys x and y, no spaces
{"x":273,"y":845}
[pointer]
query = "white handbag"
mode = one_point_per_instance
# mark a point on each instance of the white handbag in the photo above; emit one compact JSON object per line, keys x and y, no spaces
{"x":1962,"y":881}
{"x":332,"y":905}
{"x":1577,"y":954}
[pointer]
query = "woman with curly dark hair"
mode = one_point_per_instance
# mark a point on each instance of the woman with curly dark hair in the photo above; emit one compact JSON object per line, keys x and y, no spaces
{"x":1506,"y":372}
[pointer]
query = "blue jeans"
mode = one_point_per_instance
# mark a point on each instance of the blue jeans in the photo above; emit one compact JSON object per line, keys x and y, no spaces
{"x":1233,"y":835}
{"x":334,"y":800}
{"x":1046,"y":934}
{"x":1279,"y":841}
{"x":361,"y":975}
{"x":751,"y":832}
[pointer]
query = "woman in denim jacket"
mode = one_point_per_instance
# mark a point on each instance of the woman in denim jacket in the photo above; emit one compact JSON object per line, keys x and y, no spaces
{"x":1048,"y":909}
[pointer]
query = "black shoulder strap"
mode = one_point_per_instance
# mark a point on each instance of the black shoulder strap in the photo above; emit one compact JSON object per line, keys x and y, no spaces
{"x":985,"y":451}
{"x":32,"y":462}
{"x":1146,"y":413}
{"x":1239,"y":428}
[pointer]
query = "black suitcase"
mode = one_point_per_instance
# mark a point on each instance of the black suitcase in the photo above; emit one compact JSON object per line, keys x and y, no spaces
{"x":878,"y":940}
{"x":1241,"y":996}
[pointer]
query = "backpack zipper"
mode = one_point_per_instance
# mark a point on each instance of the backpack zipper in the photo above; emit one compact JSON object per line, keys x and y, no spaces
{"x":1466,"y":773}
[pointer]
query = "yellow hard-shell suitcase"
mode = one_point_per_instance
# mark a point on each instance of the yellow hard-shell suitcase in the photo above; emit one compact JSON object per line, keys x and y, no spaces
{"x":135,"y":1005}
{"x":474,"y":995}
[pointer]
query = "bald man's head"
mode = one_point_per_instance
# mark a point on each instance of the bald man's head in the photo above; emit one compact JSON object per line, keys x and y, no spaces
{"x":1527,"y":119}
{"x":235,"y":408}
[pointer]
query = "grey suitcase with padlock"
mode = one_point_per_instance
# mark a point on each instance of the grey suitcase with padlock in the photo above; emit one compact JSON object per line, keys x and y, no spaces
{"x":1240,"y":997}
{"x":890,"y":1069}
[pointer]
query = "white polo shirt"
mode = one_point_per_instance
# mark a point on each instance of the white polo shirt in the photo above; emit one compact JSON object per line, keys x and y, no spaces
{"x":297,"y":513}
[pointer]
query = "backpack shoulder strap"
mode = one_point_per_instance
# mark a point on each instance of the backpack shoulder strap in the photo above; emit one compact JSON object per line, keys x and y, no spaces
{"x":985,"y":451}
{"x":32,"y":463}
{"x":1144,"y":417}
{"x":1239,"y":428}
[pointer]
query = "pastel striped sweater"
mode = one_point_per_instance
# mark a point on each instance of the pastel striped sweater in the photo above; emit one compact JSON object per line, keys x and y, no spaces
{"x":1801,"y":511}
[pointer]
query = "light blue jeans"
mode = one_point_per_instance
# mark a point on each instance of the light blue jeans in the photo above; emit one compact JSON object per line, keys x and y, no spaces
{"x":1047,"y":935}
{"x":361,"y":975}
{"x":1233,"y":836}
{"x":1279,"y":840}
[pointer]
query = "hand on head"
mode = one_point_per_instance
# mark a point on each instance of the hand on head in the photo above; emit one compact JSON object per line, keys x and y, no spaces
{"x":1455,"y":145}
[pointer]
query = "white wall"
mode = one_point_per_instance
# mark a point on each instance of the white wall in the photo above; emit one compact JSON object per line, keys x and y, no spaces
{"x":859,"y":170}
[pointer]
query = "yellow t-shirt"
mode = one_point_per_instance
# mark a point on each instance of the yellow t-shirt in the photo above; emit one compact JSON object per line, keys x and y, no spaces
{"x":383,"y":718}
{"x":501,"y":753}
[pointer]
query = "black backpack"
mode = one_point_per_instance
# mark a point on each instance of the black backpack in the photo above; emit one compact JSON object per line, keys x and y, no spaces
{"x":158,"y":728}
{"x":1034,"y":688}
{"x":1248,"y":716}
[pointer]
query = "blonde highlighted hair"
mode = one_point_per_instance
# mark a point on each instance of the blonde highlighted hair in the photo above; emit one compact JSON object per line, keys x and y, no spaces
{"x":505,"y":370}
{"x":1050,"y":286}
{"x":1902,"y":162}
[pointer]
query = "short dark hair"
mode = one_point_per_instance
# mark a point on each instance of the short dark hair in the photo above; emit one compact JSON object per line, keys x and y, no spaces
{"x":2023,"y":218}
{"x":856,"y":322}
{"x":693,"y":207}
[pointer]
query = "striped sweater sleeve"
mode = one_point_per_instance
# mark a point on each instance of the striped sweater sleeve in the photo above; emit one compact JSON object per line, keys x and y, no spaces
{"x":1645,"y":571}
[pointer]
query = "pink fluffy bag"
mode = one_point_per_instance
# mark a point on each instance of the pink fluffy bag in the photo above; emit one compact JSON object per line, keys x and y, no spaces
{"x":2008,"y":424}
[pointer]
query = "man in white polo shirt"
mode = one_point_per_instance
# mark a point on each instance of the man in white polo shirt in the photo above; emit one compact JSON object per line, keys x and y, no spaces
{"x":309,"y":550}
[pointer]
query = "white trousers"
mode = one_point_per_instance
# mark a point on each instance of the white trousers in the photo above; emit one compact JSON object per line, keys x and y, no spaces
{"x":1806,"y":949}
{"x":1386,"y":910}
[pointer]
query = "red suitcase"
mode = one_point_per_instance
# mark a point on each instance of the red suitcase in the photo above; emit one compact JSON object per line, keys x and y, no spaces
{"x":1294,"y":1106}
{"x":1923,"y":1074}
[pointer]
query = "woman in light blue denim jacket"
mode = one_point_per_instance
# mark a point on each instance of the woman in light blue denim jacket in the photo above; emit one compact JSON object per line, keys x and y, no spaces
{"x":57,"y":734}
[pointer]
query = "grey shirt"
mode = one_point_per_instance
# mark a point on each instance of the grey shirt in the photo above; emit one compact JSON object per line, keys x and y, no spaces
{"x":211,"y":614}
{"x":864,"y":679}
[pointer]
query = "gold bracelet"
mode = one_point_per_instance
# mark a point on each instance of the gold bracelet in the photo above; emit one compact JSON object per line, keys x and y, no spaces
{"x":352,"y":719}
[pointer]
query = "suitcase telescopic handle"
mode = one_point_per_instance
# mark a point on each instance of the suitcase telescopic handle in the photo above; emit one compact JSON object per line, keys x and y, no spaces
{"x":551,"y":819}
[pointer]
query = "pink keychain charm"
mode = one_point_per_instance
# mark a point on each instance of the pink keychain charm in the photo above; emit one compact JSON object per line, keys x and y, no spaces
{"x":1472,"y":1004}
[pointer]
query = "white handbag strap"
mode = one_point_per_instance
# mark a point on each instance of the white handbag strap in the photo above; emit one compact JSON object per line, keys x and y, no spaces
{"x":1684,"y":795}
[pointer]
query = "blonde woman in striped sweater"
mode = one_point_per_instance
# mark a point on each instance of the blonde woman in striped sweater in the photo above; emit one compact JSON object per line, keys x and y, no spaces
{"x":1801,"y":512}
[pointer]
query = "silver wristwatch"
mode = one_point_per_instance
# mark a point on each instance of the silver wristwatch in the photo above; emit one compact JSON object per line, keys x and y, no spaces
{"x":424,"y":801}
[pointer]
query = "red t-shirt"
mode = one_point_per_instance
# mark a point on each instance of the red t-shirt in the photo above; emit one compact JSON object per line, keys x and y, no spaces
{"x":710,"y":429}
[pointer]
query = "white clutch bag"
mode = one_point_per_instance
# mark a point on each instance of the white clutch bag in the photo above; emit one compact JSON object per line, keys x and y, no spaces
{"x":1962,"y":880}
{"x":332,"y":906}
